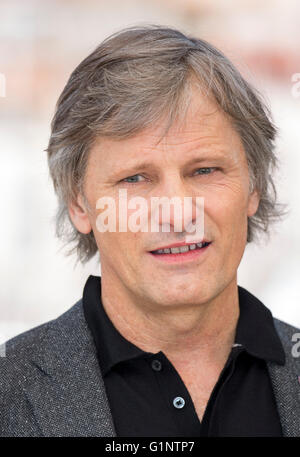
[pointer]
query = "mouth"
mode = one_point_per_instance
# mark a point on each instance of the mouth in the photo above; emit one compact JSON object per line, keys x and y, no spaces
{"x":181,"y":253}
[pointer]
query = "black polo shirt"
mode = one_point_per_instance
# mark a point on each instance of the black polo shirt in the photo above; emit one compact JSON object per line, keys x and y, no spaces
{"x":147,"y":396}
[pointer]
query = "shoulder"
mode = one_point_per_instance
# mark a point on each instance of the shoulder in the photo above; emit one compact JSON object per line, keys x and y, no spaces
{"x":285,"y":330}
{"x":32,"y":353}
{"x":288,"y":334}
{"x":20,"y":344}
{"x":19,"y":352}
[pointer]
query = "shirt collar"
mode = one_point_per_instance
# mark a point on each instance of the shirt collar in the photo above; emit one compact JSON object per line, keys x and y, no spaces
{"x":255,"y":330}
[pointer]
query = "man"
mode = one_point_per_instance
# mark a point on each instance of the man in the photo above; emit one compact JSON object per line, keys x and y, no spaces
{"x":165,"y":343}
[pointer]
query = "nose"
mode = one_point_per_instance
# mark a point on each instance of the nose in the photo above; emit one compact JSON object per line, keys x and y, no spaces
{"x":174,"y":207}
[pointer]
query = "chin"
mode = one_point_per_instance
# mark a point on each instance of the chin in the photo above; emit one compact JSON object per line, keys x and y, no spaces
{"x":182,"y":297}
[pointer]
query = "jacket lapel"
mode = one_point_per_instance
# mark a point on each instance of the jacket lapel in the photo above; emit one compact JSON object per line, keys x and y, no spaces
{"x":67,"y":392}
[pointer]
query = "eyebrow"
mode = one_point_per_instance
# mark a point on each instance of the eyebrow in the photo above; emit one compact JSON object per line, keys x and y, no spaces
{"x":147,"y":165}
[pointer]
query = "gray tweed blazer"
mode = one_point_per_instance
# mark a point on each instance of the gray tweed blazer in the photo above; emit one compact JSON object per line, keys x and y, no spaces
{"x":51,"y":384}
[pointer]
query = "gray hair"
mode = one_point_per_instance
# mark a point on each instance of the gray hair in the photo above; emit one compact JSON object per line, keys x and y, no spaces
{"x":125,"y":85}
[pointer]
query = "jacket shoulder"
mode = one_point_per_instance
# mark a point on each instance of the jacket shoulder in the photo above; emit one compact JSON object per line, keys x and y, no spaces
{"x":20,"y":344}
{"x":285,"y":330}
{"x":16,"y":364}
{"x":20,"y":365}
{"x":289,"y":336}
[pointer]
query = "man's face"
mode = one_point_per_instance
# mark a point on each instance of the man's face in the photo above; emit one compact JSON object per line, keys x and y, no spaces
{"x":204,"y":157}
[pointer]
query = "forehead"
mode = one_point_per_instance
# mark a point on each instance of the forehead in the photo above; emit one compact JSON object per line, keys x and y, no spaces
{"x":204,"y":127}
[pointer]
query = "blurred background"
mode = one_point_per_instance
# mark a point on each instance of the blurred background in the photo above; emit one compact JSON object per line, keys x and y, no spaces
{"x":41,"y":42}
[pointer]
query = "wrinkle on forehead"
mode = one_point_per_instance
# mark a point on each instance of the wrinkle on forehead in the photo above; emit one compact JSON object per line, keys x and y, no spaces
{"x":199,"y":135}
{"x":203,"y":116}
{"x":205,"y":127}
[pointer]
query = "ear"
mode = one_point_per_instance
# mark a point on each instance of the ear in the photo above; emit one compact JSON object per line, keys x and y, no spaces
{"x":79,"y":216}
{"x":253,"y":203}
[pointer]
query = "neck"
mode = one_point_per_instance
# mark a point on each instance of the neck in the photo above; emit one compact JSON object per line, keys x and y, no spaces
{"x":202,"y":332}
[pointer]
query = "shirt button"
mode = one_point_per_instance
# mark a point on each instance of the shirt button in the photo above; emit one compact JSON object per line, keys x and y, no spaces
{"x":178,"y":402}
{"x":156,"y":365}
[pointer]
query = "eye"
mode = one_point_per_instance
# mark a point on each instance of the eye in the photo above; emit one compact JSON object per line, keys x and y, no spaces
{"x":206,"y":171}
{"x":131,"y":179}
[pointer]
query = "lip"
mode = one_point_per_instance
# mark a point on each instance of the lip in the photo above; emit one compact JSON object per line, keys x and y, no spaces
{"x":184,"y":257}
{"x":177,"y":245}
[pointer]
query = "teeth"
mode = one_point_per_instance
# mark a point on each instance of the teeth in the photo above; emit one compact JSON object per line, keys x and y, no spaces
{"x":184,"y":249}
{"x":180,"y":249}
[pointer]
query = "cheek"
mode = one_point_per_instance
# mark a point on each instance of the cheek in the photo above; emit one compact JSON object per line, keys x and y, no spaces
{"x":224,"y":206}
{"x":117,"y":244}
{"x":227,"y":209}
